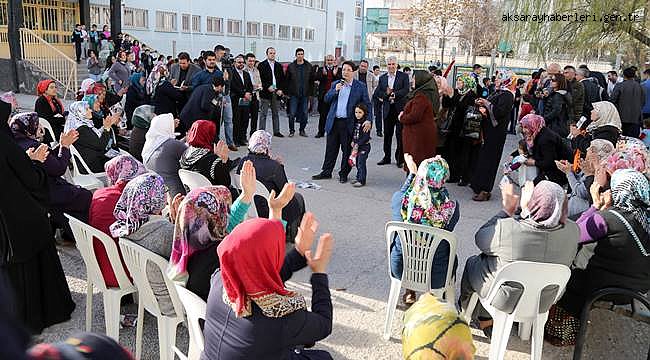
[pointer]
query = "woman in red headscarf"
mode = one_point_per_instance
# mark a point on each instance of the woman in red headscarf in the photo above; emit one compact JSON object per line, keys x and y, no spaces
{"x":49,"y":107}
{"x":204,"y":157}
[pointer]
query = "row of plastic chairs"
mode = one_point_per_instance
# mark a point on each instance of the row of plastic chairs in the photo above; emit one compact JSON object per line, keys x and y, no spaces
{"x":419,"y":244}
{"x":136,"y":259}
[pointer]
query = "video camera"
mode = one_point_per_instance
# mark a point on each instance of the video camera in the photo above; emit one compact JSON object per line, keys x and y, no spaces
{"x":227,"y":61}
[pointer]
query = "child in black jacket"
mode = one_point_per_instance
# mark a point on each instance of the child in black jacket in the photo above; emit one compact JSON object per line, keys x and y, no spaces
{"x":360,"y":145}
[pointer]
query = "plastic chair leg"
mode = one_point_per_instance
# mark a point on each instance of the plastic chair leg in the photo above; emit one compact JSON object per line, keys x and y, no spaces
{"x":450,"y":295}
{"x":470,"y":308}
{"x":525,"y":329}
{"x":500,"y":335}
{"x":166,"y":337}
{"x":138,"y":331}
{"x":89,"y":305}
{"x":537,"y":341}
{"x":112,"y":315}
{"x":395,"y":287}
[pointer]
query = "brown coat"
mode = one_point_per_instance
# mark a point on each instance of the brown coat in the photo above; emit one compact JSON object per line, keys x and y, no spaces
{"x":419,"y":130}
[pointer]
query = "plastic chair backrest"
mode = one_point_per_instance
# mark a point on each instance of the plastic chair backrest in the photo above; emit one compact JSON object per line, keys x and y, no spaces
{"x":84,"y":234}
{"x":195,"y":309}
{"x":136,"y":258}
{"x":193,"y":179}
{"x":533,"y":277}
{"x":419,"y":244}
{"x":76,"y":156}
{"x":48,"y":127}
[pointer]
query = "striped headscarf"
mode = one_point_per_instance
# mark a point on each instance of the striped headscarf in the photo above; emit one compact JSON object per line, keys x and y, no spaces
{"x":142,"y":197}
{"x":631,"y":192}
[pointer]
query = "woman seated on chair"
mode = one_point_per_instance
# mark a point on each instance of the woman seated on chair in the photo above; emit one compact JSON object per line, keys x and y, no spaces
{"x":250,"y":314}
{"x":64,"y":197}
{"x":203,"y":219}
{"x":49,"y":107}
{"x":541,"y":233}
{"x":141,"y":121}
{"x":270,"y":172}
{"x":206,"y":158}
{"x":618,"y":223}
{"x":93,"y":142}
{"x":161,"y":152}
{"x":119,"y":171}
{"x":424,"y":200}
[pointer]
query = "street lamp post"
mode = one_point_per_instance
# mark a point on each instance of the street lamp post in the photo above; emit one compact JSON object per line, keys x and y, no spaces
{"x":493,"y":54}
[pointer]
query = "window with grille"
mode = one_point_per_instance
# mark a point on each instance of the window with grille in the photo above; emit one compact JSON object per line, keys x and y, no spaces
{"x":296,"y":33}
{"x":196,"y":23}
{"x":166,"y":21}
{"x":283,"y":32}
{"x":320,"y":4}
{"x":100,"y":15}
{"x":214,"y":25}
{"x":339,"y":20}
{"x":135,"y":18}
{"x":297,"y":2}
{"x":357,"y":43}
{"x":234,"y":27}
{"x":269,"y":30}
{"x":253,"y":28}
{"x":358,"y":10}
{"x":193,"y":20}
{"x":309,"y":34}
{"x":310,"y":3}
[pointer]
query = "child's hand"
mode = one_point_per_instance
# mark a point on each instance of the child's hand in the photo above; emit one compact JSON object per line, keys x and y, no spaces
{"x":367,"y":125}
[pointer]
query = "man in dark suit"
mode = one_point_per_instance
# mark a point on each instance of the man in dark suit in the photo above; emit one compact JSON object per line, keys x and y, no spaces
{"x":391,"y":92}
{"x":299,"y":83}
{"x":629,"y":98}
{"x":325,"y":75}
{"x":273,"y":85}
{"x":241,"y":94}
{"x":344,"y":95}
{"x":204,"y":104}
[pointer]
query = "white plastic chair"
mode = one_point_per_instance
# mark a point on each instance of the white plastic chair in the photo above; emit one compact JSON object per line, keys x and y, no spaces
{"x":136,"y":258}
{"x":90,"y":180}
{"x":195,"y":309}
{"x":192,"y":179}
{"x":533,"y":277}
{"x":419,"y":244}
{"x":84,"y":234}
{"x":48,"y":127}
{"x":260,"y":190}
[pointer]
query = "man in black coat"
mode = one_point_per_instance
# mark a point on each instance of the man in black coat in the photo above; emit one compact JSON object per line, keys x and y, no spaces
{"x":299,"y":83}
{"x":325,"y":75}
{"x":203,"y":104}
{"x":593,"y":91}
{"x":273,"y":87}
{"x":77,"y":39}
{"x":392,"y":90}
{"x":629,"y":98}
{"x":241,"y":94}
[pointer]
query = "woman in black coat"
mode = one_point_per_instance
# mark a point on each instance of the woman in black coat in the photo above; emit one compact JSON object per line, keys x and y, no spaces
{"x":28,"y":256}
{"x":93,"y":142}
{"x":164,"y":96}
{"x":49,"y":107}
{"x":558,"y":106}
{"x":545,"y":147}
{"x":135,"y":96}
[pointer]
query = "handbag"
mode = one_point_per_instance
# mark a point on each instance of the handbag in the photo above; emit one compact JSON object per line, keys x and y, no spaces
{"x":472,"y":123}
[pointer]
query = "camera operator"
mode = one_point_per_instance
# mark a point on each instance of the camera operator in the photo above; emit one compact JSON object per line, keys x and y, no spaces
{"x":241,"y":94}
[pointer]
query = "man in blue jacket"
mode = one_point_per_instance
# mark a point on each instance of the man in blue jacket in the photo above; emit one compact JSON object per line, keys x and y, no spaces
{"x":343,"y":96}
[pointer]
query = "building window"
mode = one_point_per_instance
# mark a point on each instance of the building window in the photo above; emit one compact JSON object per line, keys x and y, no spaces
{"x":135,"y":18}
{"x":234,"y":27}
{"x":185,"y":22}
{"x":339,"y":20}
{"x":358,"y":11}
{"x":196,"y":23}
{"x":100,"y":15}
{"x":214,"y":25}
{"x":297,"y":2}
{"x":283,"y":32}
{"x":309,"y":34}
{"x":269,"y":30}
{"x":320,"y":4}
{"x":296,"y":33}
{"x":357,"y":43}
{"x":253,"y":28}
{"x":310,"y":3}
{"x":384,"y":41}
{"x":166,"y":21}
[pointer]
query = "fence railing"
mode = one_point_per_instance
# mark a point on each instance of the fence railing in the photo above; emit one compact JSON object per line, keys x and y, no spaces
{"x":50,"y":60}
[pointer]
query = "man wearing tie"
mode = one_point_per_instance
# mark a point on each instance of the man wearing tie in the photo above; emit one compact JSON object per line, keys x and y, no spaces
{"x":241,"y":89}
{"x":391,"y":92}
{"x":342,"y":97}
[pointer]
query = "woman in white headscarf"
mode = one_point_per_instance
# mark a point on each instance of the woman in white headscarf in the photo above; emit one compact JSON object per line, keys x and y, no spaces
{"x":161,"y":152}
{"x":92,"y":142}
{"x":605,"y":122}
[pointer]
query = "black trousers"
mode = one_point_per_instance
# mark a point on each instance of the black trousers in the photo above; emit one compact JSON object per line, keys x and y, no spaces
{"x":323,"y":109}
{"x":338,"y":138}
{"x":239,"y":122}
{"x":392,"y":125}
{"x":253,"y":110}
{"x":77,"y":50}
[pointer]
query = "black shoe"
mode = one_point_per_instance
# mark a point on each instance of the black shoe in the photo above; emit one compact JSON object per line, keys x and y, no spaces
{"x":384,"y":162}
{"x":319,"y":135}
{"x":452,"y":180}
{"x":303,"y":133}
{"x":380,"y":134}
{"x":292,"y":133}
{"x":277,"y":134}
{"x":462,"y":183}
{"x":400,"y":164}
{"x":343,"y":180}
{"x":232,"y":148}
{"x":321,"y":176}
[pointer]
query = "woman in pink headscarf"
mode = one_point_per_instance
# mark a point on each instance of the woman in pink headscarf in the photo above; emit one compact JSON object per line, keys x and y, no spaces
{"x":545,"y":147}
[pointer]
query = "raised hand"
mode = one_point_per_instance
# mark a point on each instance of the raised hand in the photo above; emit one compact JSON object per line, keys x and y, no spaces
{"x":318,"y":261}
{"x":248,"y":181}
{"x":510,"y":200}
{"x":173,"y":207}
{"x":68,"y":138}
{"x":527,"y":193}
{"x":367,"y":125}
{"x":38,"y":154}
{"x":594,"y":190}
{"x":221,"y":150}
{"x":410,"y":163}
{"x":306,"y":232}
{"x":277,"y":203}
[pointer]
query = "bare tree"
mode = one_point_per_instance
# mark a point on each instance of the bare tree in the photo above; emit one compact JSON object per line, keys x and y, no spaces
{"x":446,"y":17}
{"x":479,"y":32}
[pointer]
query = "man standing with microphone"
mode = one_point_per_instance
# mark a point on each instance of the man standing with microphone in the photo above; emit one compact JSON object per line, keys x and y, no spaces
{"x":342,"y":97}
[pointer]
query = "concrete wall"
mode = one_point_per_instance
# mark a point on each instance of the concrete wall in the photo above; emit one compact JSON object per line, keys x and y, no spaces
{"x":28,"y":77}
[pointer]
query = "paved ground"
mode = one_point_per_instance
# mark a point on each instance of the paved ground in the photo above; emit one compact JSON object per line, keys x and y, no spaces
{"x":359,"y":271}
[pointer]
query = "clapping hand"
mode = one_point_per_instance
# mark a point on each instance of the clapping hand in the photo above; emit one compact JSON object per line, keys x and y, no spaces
{"x":510,"y":200}
{"x":306,"y":232}
{"x":68,"y":138}
{"x":318,"y":262}
{"x":563,"y":166}
{"x":173,"y":207}
{"x":248,"y":181}
{"x":221,"y":150}
{"x":527,"y":193}
{"x":277,"y":203}
{"x":38,"y":154}
{"x":410,"y":164}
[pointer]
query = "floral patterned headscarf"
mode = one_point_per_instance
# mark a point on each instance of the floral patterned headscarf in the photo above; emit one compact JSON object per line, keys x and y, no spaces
{"x":426,"y":201}
{"x":25,"y":125}
{"x":534,"y":124}
{"x":260,"y":142}
{"x":142,"y":197}
{"x":433,"y":330}
{"x":201,"y":221}
{"x":469,"y":84}
{"x":629,"y":157}
{"x":123,"y":168}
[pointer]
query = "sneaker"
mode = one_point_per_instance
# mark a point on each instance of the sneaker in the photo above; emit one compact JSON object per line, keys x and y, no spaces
{"x":303,"y":133}
{"x":353,"y":181}
{"x":358,"y":184}
{"x":292,"y":133}
{"x":277,"y":134}
{"x":343,"y":180}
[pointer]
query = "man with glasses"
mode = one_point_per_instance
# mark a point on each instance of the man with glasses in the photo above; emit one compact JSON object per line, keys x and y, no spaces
{"x":241,"y":90}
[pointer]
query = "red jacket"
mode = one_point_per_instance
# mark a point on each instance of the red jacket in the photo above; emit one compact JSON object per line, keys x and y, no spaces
{"x":419,"y":129}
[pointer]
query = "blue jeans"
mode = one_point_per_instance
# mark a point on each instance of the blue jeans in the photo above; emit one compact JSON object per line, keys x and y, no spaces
{"x":298,"y":109}
{"x":362,"y":157}
{"x":227,"y":120}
